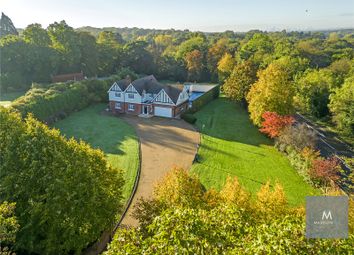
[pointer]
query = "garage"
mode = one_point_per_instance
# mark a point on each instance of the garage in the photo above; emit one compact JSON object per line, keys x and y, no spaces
{"x":163,"y":111}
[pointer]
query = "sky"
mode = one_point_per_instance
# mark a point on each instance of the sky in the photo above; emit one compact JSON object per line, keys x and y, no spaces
{"x":195,"y":15}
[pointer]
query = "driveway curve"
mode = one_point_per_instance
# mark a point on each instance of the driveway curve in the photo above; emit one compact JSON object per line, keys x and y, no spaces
{"x":164,"y":143}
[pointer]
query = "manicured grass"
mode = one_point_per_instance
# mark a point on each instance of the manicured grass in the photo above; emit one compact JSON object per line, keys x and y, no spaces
{"x":7,"y":98}
{"x":232,"y":146}
{"x":113,"y":136}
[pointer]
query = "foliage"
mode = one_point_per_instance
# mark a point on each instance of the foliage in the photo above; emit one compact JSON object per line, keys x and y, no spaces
{"x":266,"y":225}
{"x":298,"y":136}
{"x":194,"y":64}
{"x":312,"y":92}
{"x":190,"y":118}
{"x":273,"y":92}
{"x":325,"y":170}
{"x":56,"y":101}
{"x":238,"y":84}
{"x":342,"y":106}
{"x":178,"y":188}
{"x":234,"y":193}
{"x":57,"y":185}
{"x":273,"y":123}
{"x":8,"y":223}
{"x":225,"y":66}
{"x":270,"y":203}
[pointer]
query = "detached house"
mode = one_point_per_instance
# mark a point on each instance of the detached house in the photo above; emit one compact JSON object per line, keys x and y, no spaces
{"x":147,"y":97}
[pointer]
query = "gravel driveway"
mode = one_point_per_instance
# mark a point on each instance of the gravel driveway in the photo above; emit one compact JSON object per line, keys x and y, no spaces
{"x":165,"y":143}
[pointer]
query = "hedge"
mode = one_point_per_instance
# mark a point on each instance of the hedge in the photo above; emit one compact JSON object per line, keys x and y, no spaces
{"x":49,"y":103}
{"x":188,"y":117}
{"x":204,"y":99}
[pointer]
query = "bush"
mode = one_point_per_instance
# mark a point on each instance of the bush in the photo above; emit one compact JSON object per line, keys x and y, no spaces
{"x":65,"y":192}
{"x":274,"y":123}
{"x":188,"y":117}
{"x":324,"y":171}
{"x":298,"y":136}
{"x":53,"y":102}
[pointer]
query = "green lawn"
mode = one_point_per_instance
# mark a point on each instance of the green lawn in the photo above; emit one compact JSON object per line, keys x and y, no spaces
{"x":113,"y":136}
{"x":231,"y":145}
{"x":7,"y":98}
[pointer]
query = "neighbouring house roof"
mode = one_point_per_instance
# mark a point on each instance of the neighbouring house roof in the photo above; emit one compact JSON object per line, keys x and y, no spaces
{"x":68,"y":77}
{"x":149,"y":84}
{"x":200,"y":88}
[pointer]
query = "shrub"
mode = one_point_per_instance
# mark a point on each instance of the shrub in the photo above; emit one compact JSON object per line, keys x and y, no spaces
{"x":188,"y":117}
{"x":324,"y":171}
{"x":178,"y":188}
{"x":298,"y":136}
{"x":65,"y":192}
{"x":273,"y":123}
{"x":234,"y":193}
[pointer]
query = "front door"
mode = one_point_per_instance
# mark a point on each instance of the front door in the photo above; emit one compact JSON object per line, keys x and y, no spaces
{"x":145,"y":109}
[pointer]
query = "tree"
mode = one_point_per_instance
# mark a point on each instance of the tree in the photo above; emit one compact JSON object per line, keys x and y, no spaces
{"x":215,"y":53}
{"x":36,"y":35}
{"x":312,"y":92}
{"x":238,"y":84}
{"x":273,"y":123}
{"x":178,"y":188}
{"x":194,"y":62}
{"x":110,"y":38}
{"x":194,"y":43}
{"x":6,"y":26}
{"x":65,"y":192}
{"x":225,"y":66}
{"x":273,"y":92}
{"x":65,"y":41}
{"x":137,"y":57}
{"x":342,"y":106}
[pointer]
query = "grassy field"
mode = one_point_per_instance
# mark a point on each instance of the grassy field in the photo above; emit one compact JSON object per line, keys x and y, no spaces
{"x":113,"y":136}
{"x":232,"y":146}
{"x":7,"y":98}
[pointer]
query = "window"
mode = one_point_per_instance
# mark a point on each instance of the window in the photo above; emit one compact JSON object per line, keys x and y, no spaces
{"x":118,"y":105}
{"x":117,"y":94}
{"x":131,"y":107}
{"x":131,"y":96}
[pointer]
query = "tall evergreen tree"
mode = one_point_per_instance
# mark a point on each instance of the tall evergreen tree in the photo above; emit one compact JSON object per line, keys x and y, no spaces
{"x":6,"y":26}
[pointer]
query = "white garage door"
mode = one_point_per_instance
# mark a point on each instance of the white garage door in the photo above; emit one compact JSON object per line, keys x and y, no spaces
{"x":163,"y":112}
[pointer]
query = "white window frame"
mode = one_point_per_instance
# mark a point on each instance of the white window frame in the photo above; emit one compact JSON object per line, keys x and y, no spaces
{"x":118,"y":105}
{"x":131,"y":96}
{"x":117,"y":94}
{"x":131,"y":107}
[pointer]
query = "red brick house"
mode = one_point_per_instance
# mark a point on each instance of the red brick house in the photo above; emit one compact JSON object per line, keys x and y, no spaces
{"x":147,"y":97}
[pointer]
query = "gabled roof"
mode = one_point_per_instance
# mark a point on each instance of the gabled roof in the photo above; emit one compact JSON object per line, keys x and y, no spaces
{"x":173,"y":91}
{"x":123,"y":84}
{"x":149,"y":84}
